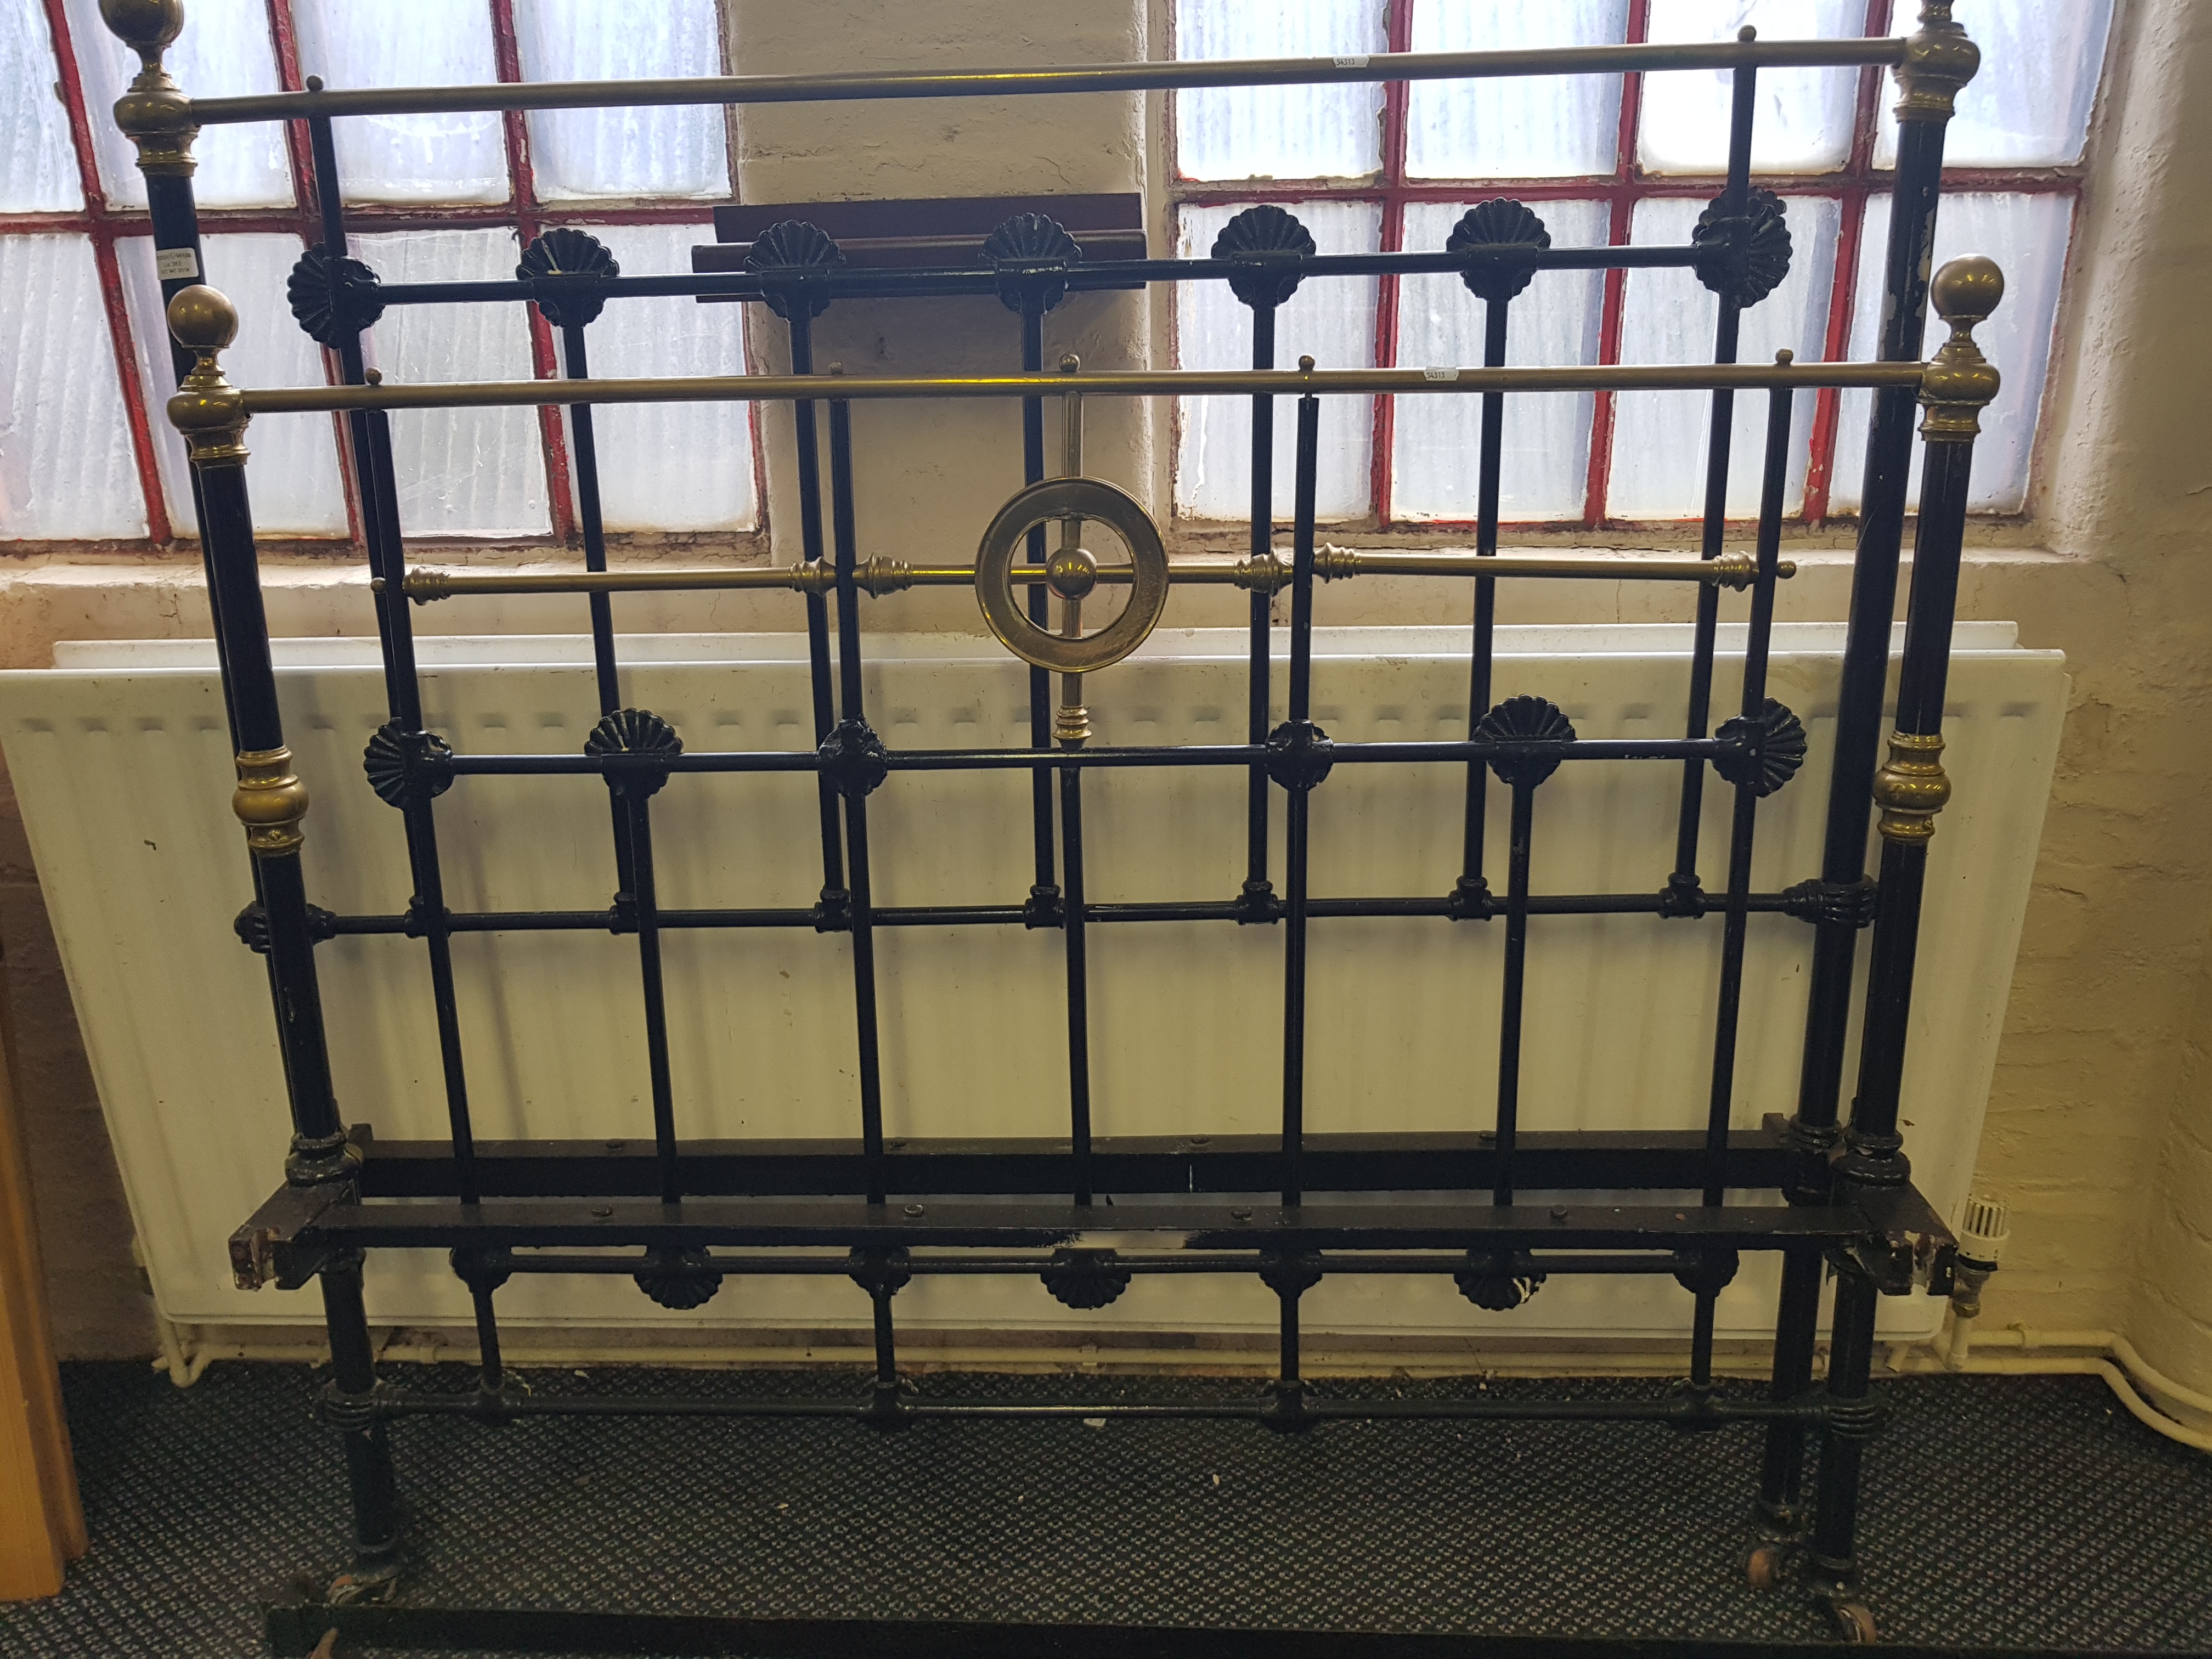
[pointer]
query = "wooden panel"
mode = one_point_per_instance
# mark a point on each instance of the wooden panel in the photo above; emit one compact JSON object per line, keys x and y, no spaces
{"x":41,"y":1523}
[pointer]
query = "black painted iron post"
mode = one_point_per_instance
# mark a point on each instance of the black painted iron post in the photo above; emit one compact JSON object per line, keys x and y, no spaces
{"x":1939,"y":60}
{"x":271,"y":802}
{"x":1909,"y":789}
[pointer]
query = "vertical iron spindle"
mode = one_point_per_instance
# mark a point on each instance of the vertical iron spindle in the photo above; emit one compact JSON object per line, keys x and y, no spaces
{"x":853,"y":726}
{"x":1683,"y":885}
{"x":1303,"y":737}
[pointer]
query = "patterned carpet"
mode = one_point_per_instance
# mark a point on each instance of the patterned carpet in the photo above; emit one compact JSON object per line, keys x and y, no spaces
{"x":2000,"y":1512}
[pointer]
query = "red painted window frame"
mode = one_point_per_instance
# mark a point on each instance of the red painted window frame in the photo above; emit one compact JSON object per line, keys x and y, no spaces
{"x":1851,"y":186}
{"x":105,"y":224}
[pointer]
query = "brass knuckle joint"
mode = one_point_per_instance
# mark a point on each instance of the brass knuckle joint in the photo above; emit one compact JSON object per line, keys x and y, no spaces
{"x":1332,"y":562}
{"x":878,"y":577}
{"x":206,"y":410}
{"x":269,"y":801}
{"x":154,"y":113}
{"x":1939,"y":60}
{"x":1060,"y":498}
{"x":1263,"y":573}
{"x":1735,"y":570}
{"x":1959,"y":381}
{"x":1912,"y":787}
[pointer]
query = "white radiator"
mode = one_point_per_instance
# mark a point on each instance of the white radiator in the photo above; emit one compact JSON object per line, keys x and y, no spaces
{"x":121,"y":763}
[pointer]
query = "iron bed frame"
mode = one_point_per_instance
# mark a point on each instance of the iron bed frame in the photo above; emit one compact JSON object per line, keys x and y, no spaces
{"x":691,"y":1211}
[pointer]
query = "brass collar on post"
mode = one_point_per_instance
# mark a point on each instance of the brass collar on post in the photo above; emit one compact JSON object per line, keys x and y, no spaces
{"x":208,"y":410}
{"x":269,"y":801}
{"x":1959,"y":381}
{"x":154,"y":114}
{"x":1939,"y":59}
{"x":1912,"y":787}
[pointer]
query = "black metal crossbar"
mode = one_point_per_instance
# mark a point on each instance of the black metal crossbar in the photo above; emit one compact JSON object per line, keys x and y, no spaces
{"x":1087,"y":1213}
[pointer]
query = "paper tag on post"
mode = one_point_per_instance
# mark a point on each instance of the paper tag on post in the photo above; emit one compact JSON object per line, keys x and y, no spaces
{"x":1440,"y":374}
{"x":174,"y":263}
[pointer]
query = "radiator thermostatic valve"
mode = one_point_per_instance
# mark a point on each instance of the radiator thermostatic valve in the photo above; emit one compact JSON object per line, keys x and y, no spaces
{"x":1983,"y":1231}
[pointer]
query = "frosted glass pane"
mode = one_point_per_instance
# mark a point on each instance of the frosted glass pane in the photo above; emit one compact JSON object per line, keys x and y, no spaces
{"x":223,"y":52}
{"x":1659,"y":438}
{"x":65,"y":463}
{"x":1330,"y":319}
{"x":2029,"y":105}
{"x":1554,"y":320}
{"x":1523,"y":127}
{"x":622,"y":152}
{"x":670,"y":466}
{"x":1279,"y":132}
{"x":409,"y":43}
{"x":37,"y":168}
{"x":293,"y":473}
{"x":1803,"y":119}
{"x":462,"y":471}
{"x":2026,"y":235}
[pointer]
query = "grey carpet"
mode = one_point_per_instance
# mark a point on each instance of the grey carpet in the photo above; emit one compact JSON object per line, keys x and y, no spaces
{"x":2004,"y":1512}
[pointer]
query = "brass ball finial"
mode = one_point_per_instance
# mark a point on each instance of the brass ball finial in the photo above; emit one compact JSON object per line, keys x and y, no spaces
{"x":208,"y":411}
{"x":147,"y":27}
{"x":202,"y":319}
{"x":1959,"y":381}
{"x":1965,"y":291}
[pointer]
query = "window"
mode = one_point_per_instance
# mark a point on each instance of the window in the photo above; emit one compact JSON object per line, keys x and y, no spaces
{"x":86,"y":451}
{"x":1608,"y":159}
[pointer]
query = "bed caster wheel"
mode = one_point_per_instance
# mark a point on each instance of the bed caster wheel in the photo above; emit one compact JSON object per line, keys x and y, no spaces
{"x":1854,"y":1623}
{"x":1766,"y":1563}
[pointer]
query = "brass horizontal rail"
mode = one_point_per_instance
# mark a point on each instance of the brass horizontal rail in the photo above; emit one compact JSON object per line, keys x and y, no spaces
{"x":1123,"y":383}
{"x":1014,"y":81}
{"x":883,"y":576}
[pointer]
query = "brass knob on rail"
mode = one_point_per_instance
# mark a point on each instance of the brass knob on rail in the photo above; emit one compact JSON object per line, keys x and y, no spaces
{"x":1072,"y":569}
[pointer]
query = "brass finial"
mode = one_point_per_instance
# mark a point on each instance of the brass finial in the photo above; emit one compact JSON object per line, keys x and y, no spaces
{"x":1958,"y":380}
{"x":269,"y":801}
{"x":154,"y":113}
{"x":208,"y":410}
{"x":1070,"y":721}
{"x":1939,"y":59}
{"x":1912,"y":787}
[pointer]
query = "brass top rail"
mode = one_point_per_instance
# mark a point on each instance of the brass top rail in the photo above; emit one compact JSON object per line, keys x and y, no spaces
{"x":1130,"y":383}
{"x":728,"y":89}
{"x":881,"y":576}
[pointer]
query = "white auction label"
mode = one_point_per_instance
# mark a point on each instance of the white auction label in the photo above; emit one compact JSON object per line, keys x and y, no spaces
{"x":1440,"y":374}
{"x":172,"y":263}
{"x":1360,"y":61}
